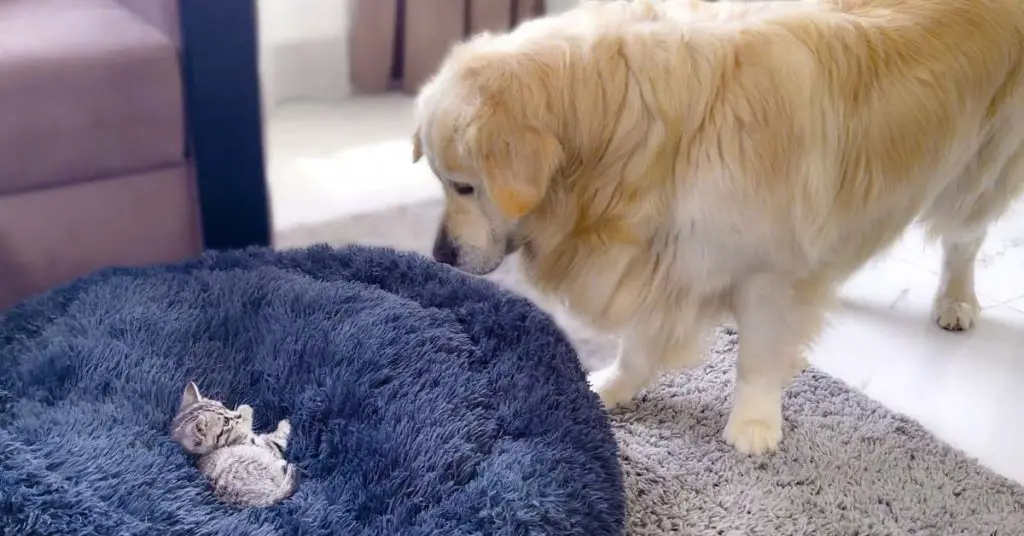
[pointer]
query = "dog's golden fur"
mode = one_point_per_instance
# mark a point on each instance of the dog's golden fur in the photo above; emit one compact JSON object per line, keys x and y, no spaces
{"x":662,"y":164}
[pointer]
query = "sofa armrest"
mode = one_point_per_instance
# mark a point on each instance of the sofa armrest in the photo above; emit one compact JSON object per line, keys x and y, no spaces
{"x":161,"y":14}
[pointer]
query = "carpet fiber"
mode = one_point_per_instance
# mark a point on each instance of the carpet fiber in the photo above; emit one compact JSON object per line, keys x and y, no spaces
{"x":848,"y":466}
{"x":422,"y":401}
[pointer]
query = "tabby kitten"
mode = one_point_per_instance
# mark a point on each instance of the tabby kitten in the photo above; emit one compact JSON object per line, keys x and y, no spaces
{"x":244,"y":468}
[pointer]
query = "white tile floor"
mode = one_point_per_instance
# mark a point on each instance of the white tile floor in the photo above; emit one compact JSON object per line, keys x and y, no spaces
{"x":326,"y":162}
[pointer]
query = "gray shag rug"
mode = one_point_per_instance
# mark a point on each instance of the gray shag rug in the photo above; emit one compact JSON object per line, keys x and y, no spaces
{"x":848,"y":466}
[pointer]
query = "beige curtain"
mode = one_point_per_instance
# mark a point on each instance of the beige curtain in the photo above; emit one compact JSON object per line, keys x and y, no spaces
{"x":397,"y":44}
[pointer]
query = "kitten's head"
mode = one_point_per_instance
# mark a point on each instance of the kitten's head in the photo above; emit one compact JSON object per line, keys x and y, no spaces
{"x":203,"y":425}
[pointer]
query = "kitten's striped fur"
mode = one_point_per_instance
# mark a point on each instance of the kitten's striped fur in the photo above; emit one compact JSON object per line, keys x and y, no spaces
{"x":244,"y":468}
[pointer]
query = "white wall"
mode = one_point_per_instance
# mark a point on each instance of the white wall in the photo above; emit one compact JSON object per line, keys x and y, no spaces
{"x":554,"y":6}
{"x":304,"y":49}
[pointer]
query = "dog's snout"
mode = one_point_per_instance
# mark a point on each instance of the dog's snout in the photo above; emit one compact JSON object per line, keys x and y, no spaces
{"x":444,"y":249}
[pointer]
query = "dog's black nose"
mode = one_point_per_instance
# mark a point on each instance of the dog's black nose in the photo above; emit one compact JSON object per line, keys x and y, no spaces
{"x":444,"y":249}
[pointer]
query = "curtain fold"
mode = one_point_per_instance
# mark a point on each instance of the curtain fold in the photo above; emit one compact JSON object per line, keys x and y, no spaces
{"x":398,"y":44}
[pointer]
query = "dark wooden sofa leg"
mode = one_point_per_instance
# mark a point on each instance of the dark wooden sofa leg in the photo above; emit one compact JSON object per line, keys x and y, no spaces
{"x":224,"y":119}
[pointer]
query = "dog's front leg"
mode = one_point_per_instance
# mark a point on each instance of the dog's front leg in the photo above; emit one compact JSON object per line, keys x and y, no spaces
{"x":634,"y":367}
{"x":775,"y":322}
{"x":643,"y":354}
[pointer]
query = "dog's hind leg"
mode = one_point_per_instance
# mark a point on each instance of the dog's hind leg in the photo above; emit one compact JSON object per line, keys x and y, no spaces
{"x":956,"y":305}
{"x":962,"y":224}
{"x":776,"y":321}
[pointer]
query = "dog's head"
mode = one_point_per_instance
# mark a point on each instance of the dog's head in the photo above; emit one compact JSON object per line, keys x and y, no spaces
{"x":484,"y":127}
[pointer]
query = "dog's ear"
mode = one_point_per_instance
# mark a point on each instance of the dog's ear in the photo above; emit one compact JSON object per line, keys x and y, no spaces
{"x":517,"y":161}
{"x":417,"y":147}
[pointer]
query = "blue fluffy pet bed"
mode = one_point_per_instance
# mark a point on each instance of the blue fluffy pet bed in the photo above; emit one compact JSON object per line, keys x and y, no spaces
{"x":422,"y":401}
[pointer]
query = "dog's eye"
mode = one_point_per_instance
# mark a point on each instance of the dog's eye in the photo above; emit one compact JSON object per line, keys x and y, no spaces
{"x":462,"y":188}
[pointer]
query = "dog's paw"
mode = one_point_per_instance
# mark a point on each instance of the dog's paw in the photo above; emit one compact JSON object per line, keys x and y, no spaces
{"x":800,"y":364}
{"x":956,"y":315}
{"x":611,"y":386}
{"x":754,"y":436}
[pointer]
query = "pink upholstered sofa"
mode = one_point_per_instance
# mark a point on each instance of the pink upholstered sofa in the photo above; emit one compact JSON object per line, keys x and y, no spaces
{"x":93,"y":167}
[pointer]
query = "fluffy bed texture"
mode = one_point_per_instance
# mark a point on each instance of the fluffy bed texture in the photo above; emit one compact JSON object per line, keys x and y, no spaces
{"x":422,"y":401}
{"x":848,"y":466}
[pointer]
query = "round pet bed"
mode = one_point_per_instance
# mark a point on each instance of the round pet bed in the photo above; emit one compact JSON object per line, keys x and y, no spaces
{"x":422,"y":401}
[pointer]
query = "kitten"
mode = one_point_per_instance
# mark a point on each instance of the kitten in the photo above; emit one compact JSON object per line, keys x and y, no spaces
{"x":244,"y":468}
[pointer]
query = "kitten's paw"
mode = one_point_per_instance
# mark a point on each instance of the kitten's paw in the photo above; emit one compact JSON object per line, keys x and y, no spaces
{"x":246,"y":411}
{"x":956,"y":315}
{"x":284,"y":428}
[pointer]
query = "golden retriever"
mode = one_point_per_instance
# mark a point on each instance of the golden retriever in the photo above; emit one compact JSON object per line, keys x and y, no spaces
{"x":663,"y":164}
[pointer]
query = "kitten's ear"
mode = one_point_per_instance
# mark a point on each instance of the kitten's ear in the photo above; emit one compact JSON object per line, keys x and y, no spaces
{"x":245,"y":410}
{"x":190,"y":396}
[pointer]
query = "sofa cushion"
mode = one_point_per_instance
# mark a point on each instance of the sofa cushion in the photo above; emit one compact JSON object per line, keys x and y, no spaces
{"x":160,"y":14}
{"x":87,"y":90}
{"x":144,"y":218}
